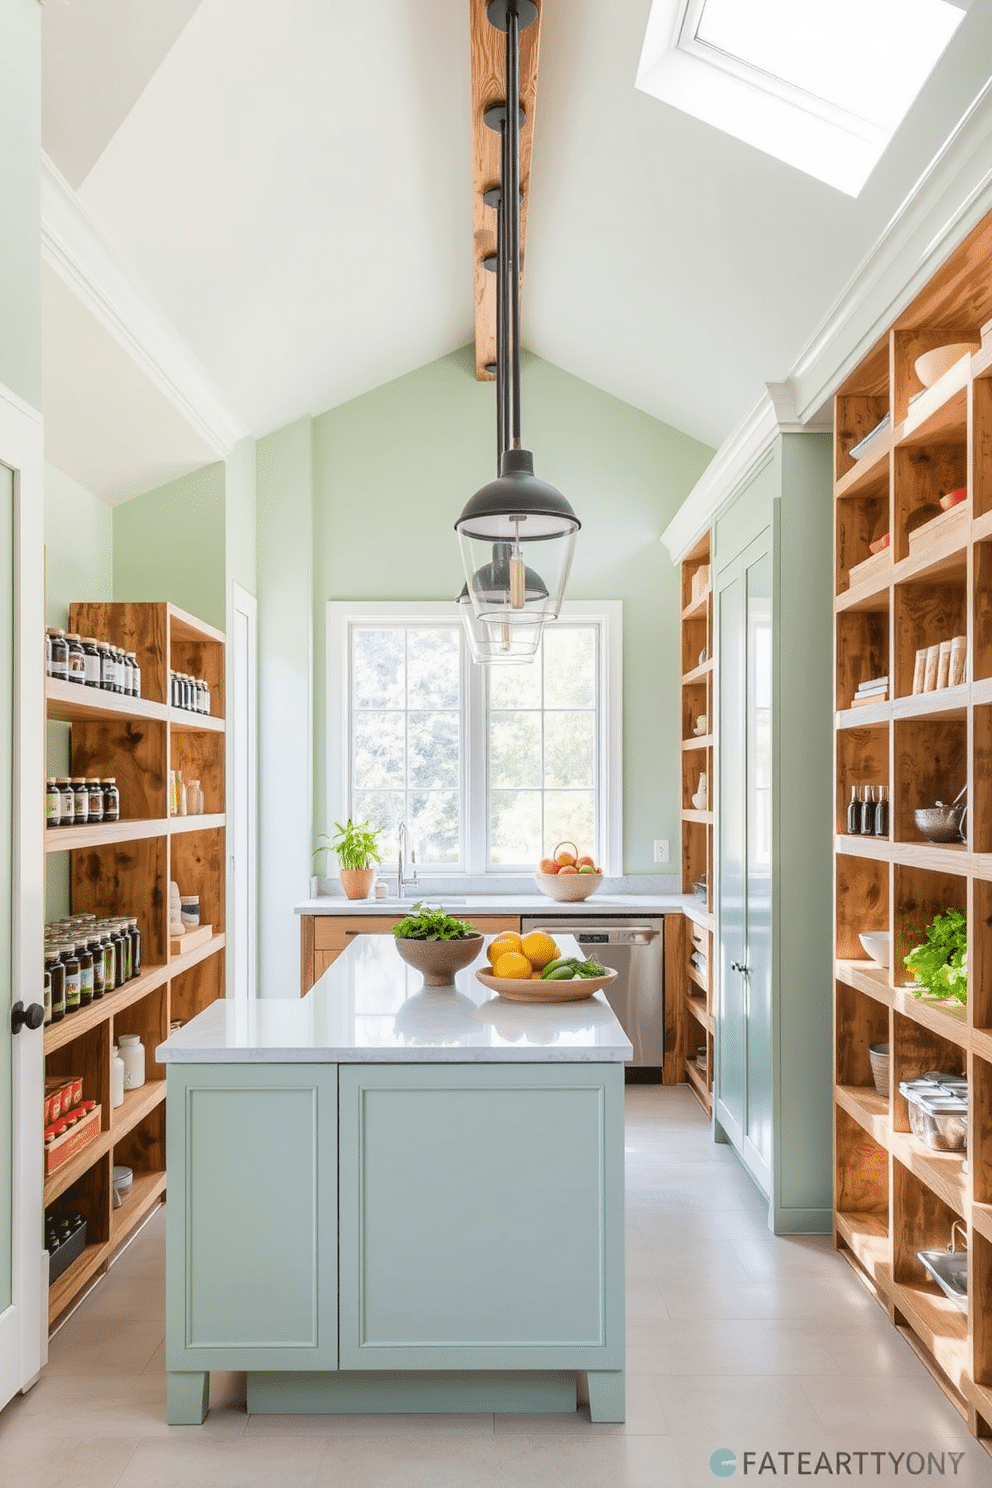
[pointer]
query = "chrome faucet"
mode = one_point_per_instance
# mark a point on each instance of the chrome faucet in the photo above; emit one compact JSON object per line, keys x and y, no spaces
{"x":403,"y":846}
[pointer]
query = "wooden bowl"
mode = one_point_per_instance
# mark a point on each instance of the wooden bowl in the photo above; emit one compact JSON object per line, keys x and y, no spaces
{"x":534,"y":990}
{"x":439,"y":959}
{"x":933,"y":364}
{"x":568,"y":888}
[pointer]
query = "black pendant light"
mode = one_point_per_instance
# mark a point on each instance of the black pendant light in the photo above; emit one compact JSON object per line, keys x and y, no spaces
{"x":517,"y":533}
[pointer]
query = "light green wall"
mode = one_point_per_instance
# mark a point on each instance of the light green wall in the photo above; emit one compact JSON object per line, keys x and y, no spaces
{"x":392,"y":471}
{"x":79,"y":567}
{"x":241,"y":515}
{"x":20,"y":198}
{"x":170,"y":544}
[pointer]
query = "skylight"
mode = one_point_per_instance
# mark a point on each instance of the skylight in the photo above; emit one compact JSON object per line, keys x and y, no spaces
{"x":820,"y":84}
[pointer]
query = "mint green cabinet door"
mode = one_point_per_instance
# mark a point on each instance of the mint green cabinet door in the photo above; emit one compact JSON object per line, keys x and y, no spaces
{"x":251,"y":1273}
{"x":481,"y":1221}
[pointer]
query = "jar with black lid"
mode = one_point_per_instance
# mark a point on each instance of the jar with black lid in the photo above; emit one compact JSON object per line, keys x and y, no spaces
{"x":95,"y":947}
{"x":128,"y":675}
{"x":81,"y":791}
{"x":85,"y":973}
{"x":95,"y":788}
{"x":60,"y":655}
{"x":53,"y":803}
{"x":91,"y":661}
{"x":117,"y":941}
{"x":56,"y":974}
{"x":111,"y":799}
{"x":135,"y":674}
{"x":70,"y":961}
{"x":77,"y":659}
{"x":106,"y":666}
{"x":107,"y":956}
{"x":68,"y":813}
{"x":121,"y":670}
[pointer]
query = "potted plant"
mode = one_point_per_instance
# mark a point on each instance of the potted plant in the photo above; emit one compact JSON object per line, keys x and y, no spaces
{"x":356,"y":846}
{"x":436,"y":944}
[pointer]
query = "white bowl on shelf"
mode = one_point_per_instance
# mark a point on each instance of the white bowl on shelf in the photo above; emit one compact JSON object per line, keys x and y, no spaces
{"x":932,"y":365}
{"x":876,"y":944}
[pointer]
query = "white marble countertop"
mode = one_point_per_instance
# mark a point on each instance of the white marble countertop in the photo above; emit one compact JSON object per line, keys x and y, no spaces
{"x":510,"y":903}
{"x":369,"y":1007}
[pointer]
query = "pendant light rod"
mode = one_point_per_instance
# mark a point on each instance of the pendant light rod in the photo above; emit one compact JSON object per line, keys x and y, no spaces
{"x":511,"y":213}
{"x":502,"y":323}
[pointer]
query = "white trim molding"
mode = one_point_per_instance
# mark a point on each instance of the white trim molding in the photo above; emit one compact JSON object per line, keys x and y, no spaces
{"x":74,"y":247}
{"x":773,"y":414}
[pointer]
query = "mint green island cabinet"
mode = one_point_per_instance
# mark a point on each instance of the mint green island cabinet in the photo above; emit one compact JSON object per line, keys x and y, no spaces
{"x":386,"y":1197}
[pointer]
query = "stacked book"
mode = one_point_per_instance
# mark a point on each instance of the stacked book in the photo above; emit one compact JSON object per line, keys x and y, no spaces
{"x":875,"y":690}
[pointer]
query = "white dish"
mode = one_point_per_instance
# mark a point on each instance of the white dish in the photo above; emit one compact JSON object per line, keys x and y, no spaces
{"x":933,"y":364}
{"x":876,"y":944}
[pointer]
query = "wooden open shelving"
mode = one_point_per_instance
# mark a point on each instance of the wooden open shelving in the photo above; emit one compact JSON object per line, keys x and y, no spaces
{"x":894,"y":1195}
{"x":126,"y":867}
{"x":695,"y":1022}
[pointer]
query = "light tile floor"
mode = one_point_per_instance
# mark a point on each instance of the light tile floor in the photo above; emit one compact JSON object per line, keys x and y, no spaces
{"x":736,"y":1340}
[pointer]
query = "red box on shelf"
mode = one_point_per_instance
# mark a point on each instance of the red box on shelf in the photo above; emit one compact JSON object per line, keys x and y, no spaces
{"x":58,"y":1152}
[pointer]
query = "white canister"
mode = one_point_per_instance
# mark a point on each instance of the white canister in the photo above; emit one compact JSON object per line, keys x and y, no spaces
{"x":190,"y":910}
{"x":133,"y":1055}
{"x":116,"y":1078}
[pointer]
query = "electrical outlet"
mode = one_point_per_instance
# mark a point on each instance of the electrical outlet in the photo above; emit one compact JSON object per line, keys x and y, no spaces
{"x":661,"y":850}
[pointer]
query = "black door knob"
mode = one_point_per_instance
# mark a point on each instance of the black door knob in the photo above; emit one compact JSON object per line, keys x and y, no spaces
{"x":33,"y":1016}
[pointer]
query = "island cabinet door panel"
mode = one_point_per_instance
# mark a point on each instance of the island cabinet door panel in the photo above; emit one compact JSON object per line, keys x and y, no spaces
{"x":251,"y":1273}
{"x":481,"y":1217}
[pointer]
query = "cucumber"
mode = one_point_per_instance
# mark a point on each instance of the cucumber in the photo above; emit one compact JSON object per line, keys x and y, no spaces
{"x":553,"y":966}
{"x":560,"y":974}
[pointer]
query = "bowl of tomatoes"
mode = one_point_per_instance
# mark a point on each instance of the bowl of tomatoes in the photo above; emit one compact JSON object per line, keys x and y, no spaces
{"x":568,"y":875}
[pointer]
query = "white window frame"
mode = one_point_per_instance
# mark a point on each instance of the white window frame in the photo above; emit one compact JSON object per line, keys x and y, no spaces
{"x":786,"y":122}
{"x":607,"y":615}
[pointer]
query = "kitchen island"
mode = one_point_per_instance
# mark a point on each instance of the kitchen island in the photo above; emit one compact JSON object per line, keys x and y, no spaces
{"x":389,"y":1198}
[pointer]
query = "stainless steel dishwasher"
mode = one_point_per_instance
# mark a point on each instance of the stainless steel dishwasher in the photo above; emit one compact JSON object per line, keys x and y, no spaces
{"x":636,"y":948}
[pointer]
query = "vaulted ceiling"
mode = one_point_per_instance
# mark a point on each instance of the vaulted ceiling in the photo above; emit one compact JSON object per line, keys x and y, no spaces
{"x":291,"y":184}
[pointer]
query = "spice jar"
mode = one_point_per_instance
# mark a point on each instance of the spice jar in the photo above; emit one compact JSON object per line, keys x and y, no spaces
{"x":76,"y":659}
{"x":95,"y":949}
{"x":116,"y":1077}
{"x":134,"y":933}
{"x":53,"y":803}
{"x":72,"y":975}
{"x":106,"y":666}
{"x":60,"y":654}
{"x":111,"y":799}
{"x":205,"y":708}
{"x":56,"y":974}
{"x":81,"y":794}
{"x":85,"y":956}
{"x":132,"y":1052}
{"x":67,"y":815}
{"x":91,"y":661}
{"x":95,"y":790}
{"x":121,"y":670}
{"x":135,"y":674}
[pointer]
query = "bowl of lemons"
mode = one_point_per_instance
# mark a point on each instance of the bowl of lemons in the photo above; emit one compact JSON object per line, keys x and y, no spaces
{"x":568,"y":875}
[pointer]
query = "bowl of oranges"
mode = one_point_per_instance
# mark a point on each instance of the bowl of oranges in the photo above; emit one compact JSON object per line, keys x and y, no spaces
{"x":568,"y":875}
{"x":518,"y":964}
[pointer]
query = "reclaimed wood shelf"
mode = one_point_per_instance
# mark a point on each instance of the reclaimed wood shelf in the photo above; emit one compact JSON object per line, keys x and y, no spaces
{"x":895,"y":1195}
{"x":126,"y":866}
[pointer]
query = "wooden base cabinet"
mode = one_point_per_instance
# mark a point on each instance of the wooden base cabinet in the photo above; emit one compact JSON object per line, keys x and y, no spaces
{"x":773,"y":820}
{"x":468,"y":1217}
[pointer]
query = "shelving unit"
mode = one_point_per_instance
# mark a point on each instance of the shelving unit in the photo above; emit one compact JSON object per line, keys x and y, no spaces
{"x":696,"y":1020}
{"x":127,"y":866}
{"x":894,"y":1195}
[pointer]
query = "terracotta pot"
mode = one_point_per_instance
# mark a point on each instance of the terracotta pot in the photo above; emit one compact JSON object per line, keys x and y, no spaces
{"x":357,"y":882}
{"x":438,"y":960}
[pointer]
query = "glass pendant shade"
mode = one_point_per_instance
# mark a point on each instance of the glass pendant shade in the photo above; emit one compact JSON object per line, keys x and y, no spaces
{"x":498,"y":641}
{"x":517,"y":535}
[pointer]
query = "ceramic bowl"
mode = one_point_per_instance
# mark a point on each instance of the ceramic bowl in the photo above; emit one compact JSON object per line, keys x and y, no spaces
{"x":439,"y":959}
{"x":568,"y":888}
{"x":876,"y":943}
{"x":933,"y":364}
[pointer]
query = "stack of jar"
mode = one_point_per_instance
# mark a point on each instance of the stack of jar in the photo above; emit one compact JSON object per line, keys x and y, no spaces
{"x":191,"y":693}
{"x":80,"y":800}
{"x":73,"y":658}
{"x":86,"y":958}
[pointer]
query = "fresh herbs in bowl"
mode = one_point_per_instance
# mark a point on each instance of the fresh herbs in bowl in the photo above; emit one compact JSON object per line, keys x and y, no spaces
{"x":432,"y":924}
{"x":941,"y":962}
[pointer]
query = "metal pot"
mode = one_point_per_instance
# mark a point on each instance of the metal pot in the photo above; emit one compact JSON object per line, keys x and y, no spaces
{"x":942,"y":823}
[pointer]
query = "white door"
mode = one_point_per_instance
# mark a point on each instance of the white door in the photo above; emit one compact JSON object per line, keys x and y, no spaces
{"x":23,"y":1304}
{"x":242,"y":802}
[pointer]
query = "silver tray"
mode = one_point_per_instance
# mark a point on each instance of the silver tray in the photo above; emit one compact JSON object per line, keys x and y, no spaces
{"x":949,"y":1269}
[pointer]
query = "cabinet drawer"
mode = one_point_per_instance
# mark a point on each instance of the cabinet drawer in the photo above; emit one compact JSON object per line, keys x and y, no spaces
{"x":334,"y":932}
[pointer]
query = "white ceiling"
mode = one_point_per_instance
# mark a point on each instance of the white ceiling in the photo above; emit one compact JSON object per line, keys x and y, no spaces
{"x":292,"y":184}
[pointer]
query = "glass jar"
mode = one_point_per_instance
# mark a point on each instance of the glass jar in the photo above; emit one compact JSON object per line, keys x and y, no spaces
{"x":132,"y":1051}
{"x":91,"y":661}
{"x":206,"y":697}
{"x":81,"y":794}
{"x":95,"y":789}
{"x":109,"y":959}
{"x":95,"y":949}
{"x":56,"y":975}
{"x":76,"y":659}
{"x":135,"y":674}
{"x":117,"y":941}
{"x":68,"y":813}
{"x":116,"y":1077}
{"x":53,"y":803}
{"x":60,"y":655}
{"x":48,"y":652}
{"x":106,"y":666}
{"x":85,"y":956}
{"x":121,"y":671}
{"x":122,"y":931}
{"x":111,"y":799}
{"x":72,"y":975}
{"x":134,"y":933}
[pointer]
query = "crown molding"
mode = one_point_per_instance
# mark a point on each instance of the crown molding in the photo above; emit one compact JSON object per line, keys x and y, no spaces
{"x":74,"y":247}
{"x":773,"y":414}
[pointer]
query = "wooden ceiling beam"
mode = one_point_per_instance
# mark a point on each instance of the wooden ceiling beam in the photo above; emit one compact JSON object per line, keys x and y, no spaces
{"x":488,"y":46}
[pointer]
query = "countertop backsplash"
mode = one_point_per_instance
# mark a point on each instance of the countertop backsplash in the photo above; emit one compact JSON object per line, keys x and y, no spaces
{"x":432,"y":888}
